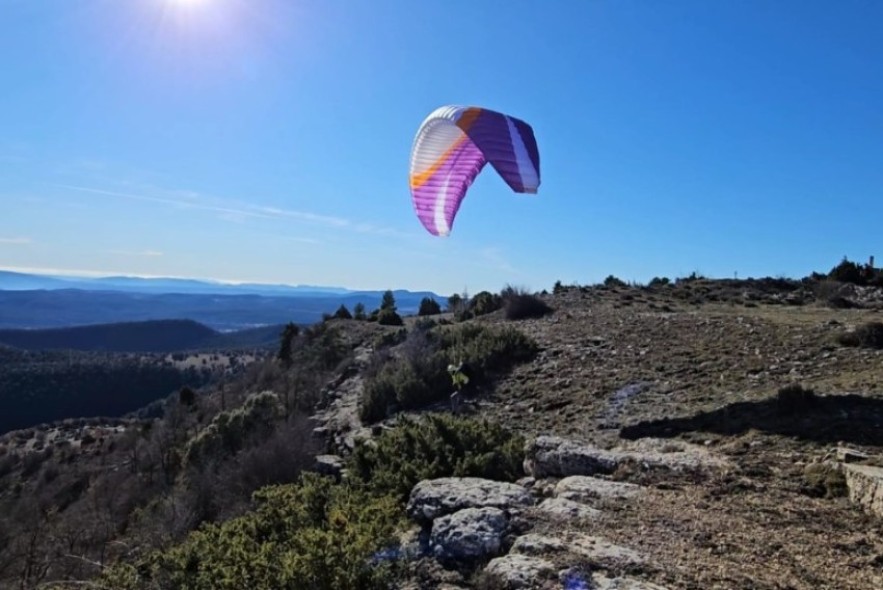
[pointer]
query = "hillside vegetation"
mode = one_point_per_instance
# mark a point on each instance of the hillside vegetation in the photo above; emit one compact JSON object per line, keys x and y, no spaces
{"x":233,"y":487}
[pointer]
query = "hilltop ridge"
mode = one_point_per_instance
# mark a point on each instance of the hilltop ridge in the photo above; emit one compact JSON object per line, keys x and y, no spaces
{"x":767,"y":377}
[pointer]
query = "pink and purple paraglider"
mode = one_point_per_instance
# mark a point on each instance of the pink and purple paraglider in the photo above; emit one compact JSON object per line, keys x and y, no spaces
{"x":452,"y":146}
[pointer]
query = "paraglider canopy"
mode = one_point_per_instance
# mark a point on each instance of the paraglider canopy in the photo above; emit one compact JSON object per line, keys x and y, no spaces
{"x":452,"y":146}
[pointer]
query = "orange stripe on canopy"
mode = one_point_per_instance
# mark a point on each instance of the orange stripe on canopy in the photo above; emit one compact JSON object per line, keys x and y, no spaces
{"x":418,"y":180}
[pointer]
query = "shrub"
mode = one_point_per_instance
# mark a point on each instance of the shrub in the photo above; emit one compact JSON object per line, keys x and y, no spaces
{"x":868,"y":335}
{"x":484,"y":303}
{"x":418,"y":375}
{"x":455,"y":301}
{"x":325,"y":345}
{"x":313,"y":534}
{"x":520,"y":305}
{"x":186,"y":396}
{"x":391,"y":338}
{"x":359,"y":311}
{"x":231,"y":431}
{"x":428,"y":306}
{"x":824,"y":480}
{"x":388,"y":301}
{"x":612,"y":281}
{"x":848,"y":272}
{"x":437,"y":445}
{"x":487,"y":350}
{"x":343,"y":313}
{"x":389,"y":317}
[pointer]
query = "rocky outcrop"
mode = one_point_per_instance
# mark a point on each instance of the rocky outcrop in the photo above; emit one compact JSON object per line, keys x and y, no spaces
{"x":517,"y":571}
{"x":596,"y":551}
{"x":552,"y":456}
{"x":865,"y":485}
{"x":564,"y":509}
{"x":581,"y":488}
{"x":431,"y":499}
{"x":469,"y":534}
{"x":469,"y":520}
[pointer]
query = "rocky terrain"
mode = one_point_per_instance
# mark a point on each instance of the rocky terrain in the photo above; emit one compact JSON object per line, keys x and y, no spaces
{"x":693,"y":437}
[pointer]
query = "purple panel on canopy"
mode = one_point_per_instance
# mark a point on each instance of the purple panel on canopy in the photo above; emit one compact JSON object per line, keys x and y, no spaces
{"x":438,"y":199}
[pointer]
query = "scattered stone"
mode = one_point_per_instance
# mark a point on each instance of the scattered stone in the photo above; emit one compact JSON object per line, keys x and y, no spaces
{"x":602,"y":553}
{"x":433,"y":498}
{"x":568,"y":509}
{"x":584,"y":489}
{"x":597,"y":551}
{"x":602,"y":582}
{"x":520,"y":571}
{"x":865,"y":485}
{"x":469,"y":534}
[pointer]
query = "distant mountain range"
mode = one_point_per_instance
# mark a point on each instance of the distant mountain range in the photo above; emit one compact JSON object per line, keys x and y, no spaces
{"x":39,"y":301}
{"x":149,"y":336}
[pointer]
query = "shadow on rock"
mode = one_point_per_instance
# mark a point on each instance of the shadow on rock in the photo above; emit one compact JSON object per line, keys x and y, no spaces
{"x":794,"y":412}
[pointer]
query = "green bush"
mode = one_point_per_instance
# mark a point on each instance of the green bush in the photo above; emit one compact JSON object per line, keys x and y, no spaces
{"x":519,"y":305}
{"x":418,"y":375}
{"x":359,"y":311}
{"x":230,"y":431}
{"x":314,"y":534}
{"x":389,"y":317}
{"x":324,"y":345}
{"x":343,"y":313}
{"x":437,"y":445}
{"x":613,"y":281}
{"x":429,"y":306}
{"x":392,"y":338}
{"x":487,"y":350}
{"x":484,"y":303}
{"x":848,"y":272}
{"x":868,"y":335}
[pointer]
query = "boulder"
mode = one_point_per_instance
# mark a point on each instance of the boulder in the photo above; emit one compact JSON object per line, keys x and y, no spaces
{"x":602,"y":553}
{"x":596,"y":551}
{"x":553,"y":456}
{"x":520,"y":571}
{"x":433,"y":498}
{"x":536,"y":544}
{"x":567,"y":509}
{"x":865,"y":485}
{"x":581,"y":488}
{"x":469,"y":534}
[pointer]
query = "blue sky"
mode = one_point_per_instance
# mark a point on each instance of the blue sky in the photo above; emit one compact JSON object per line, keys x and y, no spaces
{"x":268,"y":140}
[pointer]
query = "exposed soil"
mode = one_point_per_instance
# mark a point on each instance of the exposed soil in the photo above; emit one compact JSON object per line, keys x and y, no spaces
{"x":626,"y":363}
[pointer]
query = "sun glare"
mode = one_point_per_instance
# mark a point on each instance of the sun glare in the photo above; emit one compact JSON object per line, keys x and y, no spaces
{"x":188,"y":3}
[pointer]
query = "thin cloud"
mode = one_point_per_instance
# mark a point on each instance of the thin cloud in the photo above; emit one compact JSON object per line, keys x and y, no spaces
{"x":180,"y":203}
{"x":186,"y":199}
{"x":146,"y":253}
{"x":17,"y":241}
{"x":306,"y":216}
